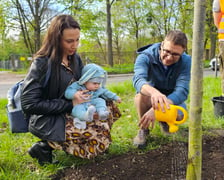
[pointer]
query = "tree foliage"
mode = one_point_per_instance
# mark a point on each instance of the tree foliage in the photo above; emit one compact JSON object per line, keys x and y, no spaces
{"x":33,"y":16}
{"x":132,"y":23}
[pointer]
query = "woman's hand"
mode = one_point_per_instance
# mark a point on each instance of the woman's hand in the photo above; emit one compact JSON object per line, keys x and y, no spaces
{"x":118,"y":100}
{"x":81,"y":97}
{"x":147,"y":120}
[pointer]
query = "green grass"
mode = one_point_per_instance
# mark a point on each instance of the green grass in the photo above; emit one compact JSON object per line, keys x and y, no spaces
{"x":206,"y":63}
{"x":120,"y":69}
{"x":15,"y":163}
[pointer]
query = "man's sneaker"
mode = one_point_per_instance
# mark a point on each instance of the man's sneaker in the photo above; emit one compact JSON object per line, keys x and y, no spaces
{"x":141,"y":139}
{"x":164,"y":127}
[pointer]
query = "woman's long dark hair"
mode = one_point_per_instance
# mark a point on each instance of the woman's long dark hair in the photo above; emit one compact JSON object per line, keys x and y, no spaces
{"x":52,"y":46}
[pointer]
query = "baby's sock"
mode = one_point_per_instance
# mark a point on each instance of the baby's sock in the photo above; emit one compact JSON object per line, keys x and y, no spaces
{"x":90,"y":112}
{"x":79,"y":124}
{"x":103,"y":115}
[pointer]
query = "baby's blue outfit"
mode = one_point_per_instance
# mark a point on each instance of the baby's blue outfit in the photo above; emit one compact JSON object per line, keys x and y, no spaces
{"x":97,"y":98}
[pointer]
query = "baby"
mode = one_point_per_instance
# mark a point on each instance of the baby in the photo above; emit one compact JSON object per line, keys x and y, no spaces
{"x":92,"y":82}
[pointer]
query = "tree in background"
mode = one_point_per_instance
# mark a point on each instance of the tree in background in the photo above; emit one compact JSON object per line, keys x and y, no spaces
{"x":132,"y":24}
{"x":33,"y":17}
{"x":164,"y":15}
{"x":136,"y":12}
{"x":3,"y":29}
{"x":210,"y":31}
{"x":109,"y":33}
{"x":119,"y":30}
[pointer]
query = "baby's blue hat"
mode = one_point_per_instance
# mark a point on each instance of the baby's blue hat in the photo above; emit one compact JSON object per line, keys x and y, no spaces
{"x":93,"y":71}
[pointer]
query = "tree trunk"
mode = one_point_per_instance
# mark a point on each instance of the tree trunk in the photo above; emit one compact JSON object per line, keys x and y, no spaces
{"x":213,"y":38}
{"x":196,"y":92}
{"x":109,"y":35}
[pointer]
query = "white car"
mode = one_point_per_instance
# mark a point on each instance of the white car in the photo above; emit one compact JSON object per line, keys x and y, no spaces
{"x":212,"y":64}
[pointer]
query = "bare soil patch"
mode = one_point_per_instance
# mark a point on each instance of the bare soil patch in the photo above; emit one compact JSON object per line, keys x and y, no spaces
{"x":168,"y":162}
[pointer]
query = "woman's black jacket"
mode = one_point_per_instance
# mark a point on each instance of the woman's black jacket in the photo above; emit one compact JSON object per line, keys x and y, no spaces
{"x":47,"y":105}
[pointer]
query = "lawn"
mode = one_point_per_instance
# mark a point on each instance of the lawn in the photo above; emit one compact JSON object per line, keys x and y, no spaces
{"x":15,"y":163}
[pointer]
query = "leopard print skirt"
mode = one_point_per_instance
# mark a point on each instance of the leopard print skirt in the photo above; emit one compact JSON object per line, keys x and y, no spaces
{"x":89,"y":142}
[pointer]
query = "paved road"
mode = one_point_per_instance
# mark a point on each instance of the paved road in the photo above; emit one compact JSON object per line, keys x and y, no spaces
{"x":8,"y":79}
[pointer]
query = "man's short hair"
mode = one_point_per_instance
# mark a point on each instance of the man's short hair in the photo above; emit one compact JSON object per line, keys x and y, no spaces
{"x":177,"y":37}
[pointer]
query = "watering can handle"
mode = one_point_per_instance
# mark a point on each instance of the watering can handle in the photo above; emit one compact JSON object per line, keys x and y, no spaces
{"x":184,"y":112}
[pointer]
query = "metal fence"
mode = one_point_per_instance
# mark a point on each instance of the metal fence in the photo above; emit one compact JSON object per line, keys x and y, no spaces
{"x":87,"y":57}
{"x":100,"y":58}
{"x":12,"y":64}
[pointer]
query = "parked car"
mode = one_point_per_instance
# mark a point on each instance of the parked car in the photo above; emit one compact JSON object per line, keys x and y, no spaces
{"x":213,"y":63}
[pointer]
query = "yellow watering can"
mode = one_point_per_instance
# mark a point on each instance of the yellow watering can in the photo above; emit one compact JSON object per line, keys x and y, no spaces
{"x":170,"y":116}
